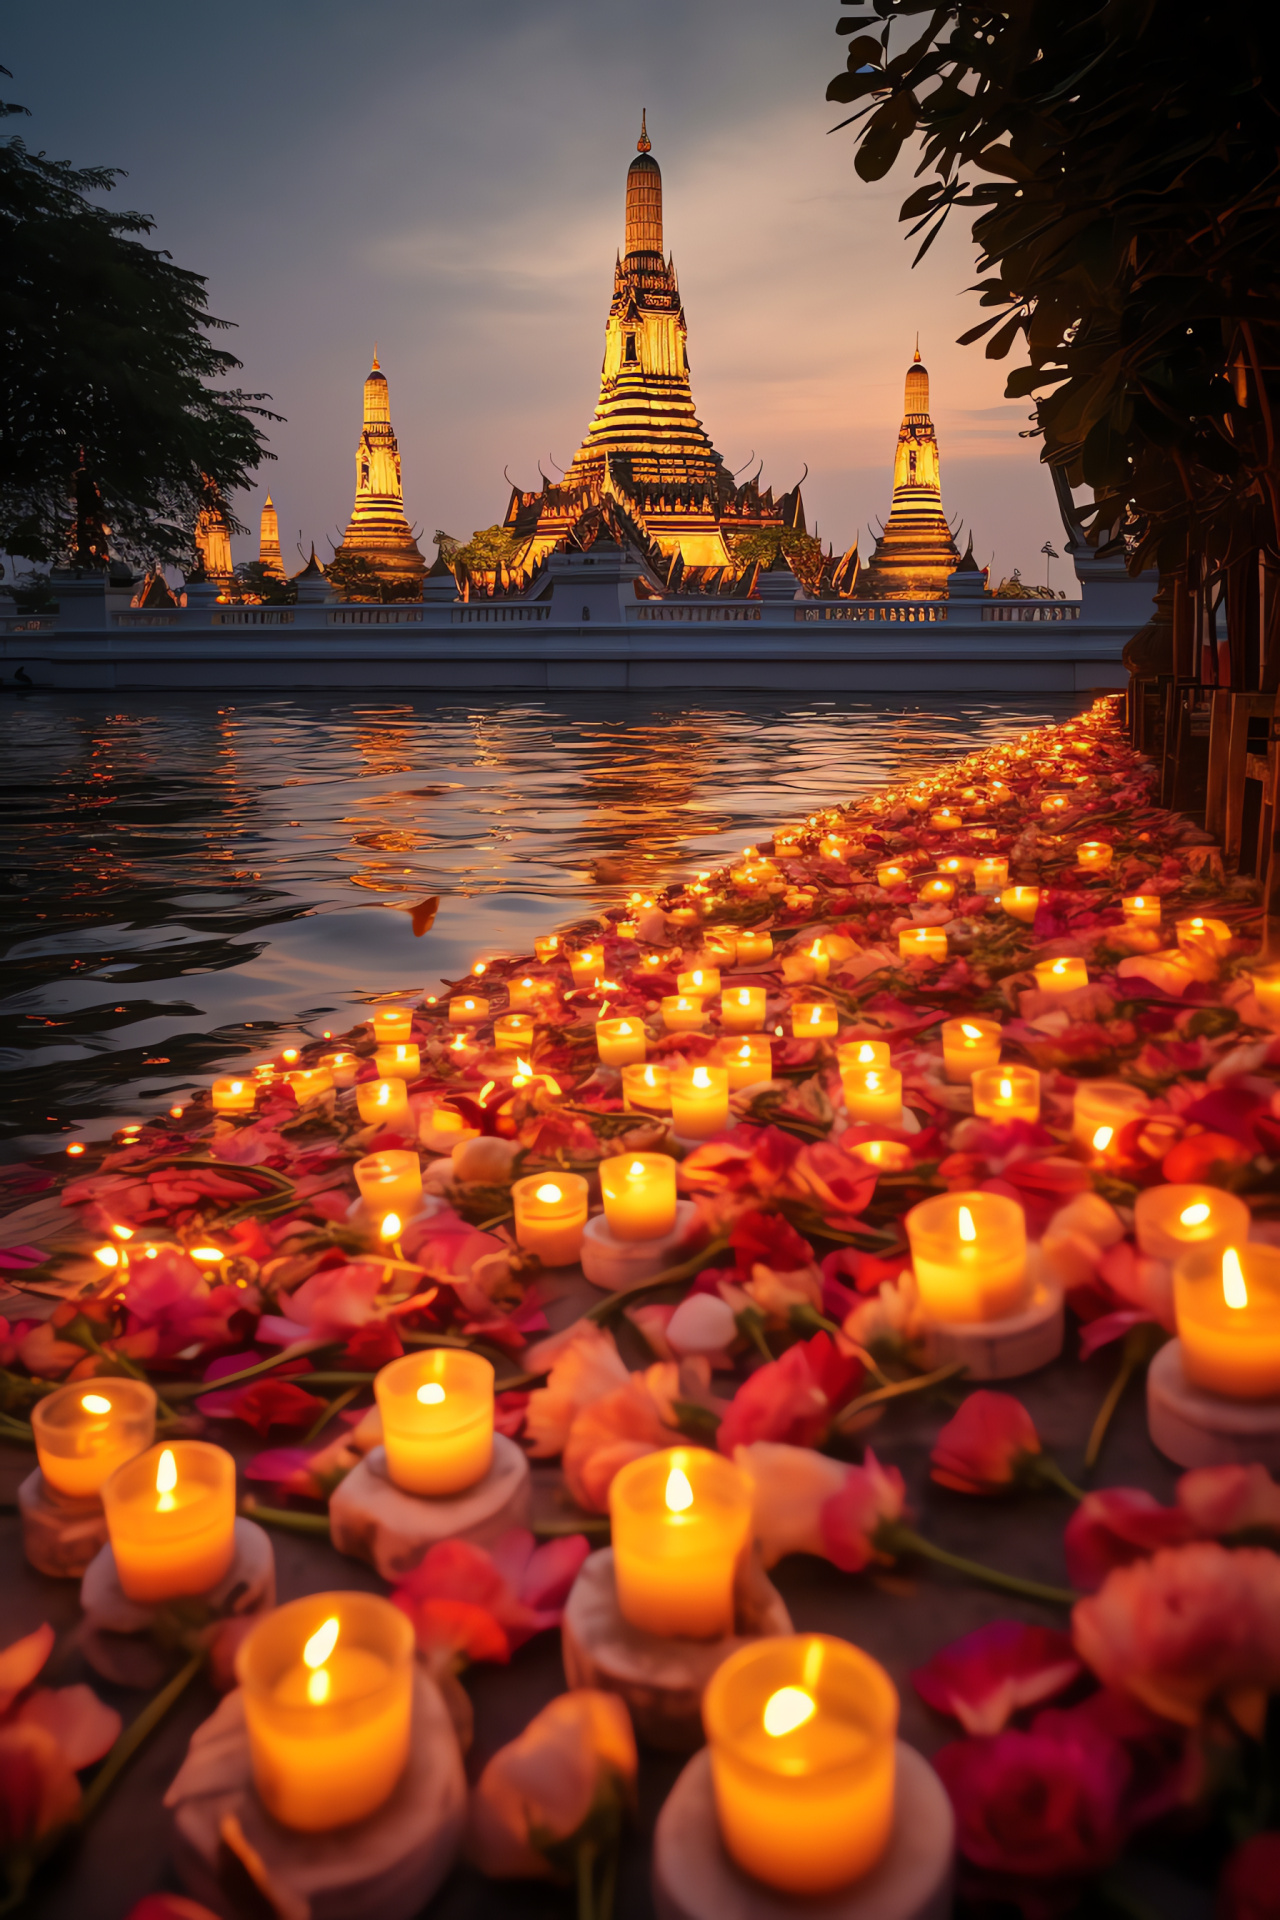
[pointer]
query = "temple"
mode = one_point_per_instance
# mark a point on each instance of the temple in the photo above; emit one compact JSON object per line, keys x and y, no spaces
{"x":377,"y":531}
{"x":269,"y":540}
{"x":916,"y":550}
{"x":213,"y":538}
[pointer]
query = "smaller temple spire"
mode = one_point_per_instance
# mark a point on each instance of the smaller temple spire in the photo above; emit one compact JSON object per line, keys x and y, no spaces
{"x":644,"y":144}
{"x":269,"y":554}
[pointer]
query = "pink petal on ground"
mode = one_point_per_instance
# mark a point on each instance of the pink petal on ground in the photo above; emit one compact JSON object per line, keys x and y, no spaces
{"x":552,"y":1571}
{"x":1111,"y":1326}
{"x":986,"y":1677}
{"x":21,"y":1661}
{"x":81,"y":1724}
{"x":278,"y":1463}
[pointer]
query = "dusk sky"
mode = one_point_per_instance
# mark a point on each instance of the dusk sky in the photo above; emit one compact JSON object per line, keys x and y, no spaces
{"x":448,"y":180}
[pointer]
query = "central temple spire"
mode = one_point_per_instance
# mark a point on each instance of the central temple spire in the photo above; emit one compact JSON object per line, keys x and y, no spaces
{"x":915,"y":552}
{"x":377,"y":530}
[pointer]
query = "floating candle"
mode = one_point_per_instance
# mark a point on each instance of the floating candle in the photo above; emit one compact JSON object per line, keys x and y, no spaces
{"x":940,"y":887}
{"x":1142,"y":909}
{"x":819,"y":960}
{"x":551,"y":1211}
{"x":814,"y":1019}
{"x":889,"y":1156}
{"x":890,"y":874}
{"x":1021,"y":903}
{"x":390,"y":1182}
{"x":468,"y":1010}
{"x":547,"y":947}
{"x":1266,"y":987}
{"x":742,"y":1009}
{"x":922,"y":943}
{"x":1055,"y":803}
{"x":747,"y":1061}
{"x":699,"y":1100}
{"x":753,"y":947}
{"x":397,"y":1062}
{"x":699,"y":981}
{"x":171,"y":1515}
{"x":85,"y":1430}
{"x":646,"y":1088}
{"x":946,"y":820}
{"x":1183,"y":1218}
{"x":587,"y":966}
{"x":969,"y":1251}
{"x":1198,"y":935}
{"x":969,"y":1044}
{"x":681,"y":1518}
{"x":1103,"y":1107}
{"x":681,"y":1013}
{"x":1006,"y":1093}
{"x":855,"y":1056}
{"x":391,"y":1024}
{"x":1094,"y":855}
{"x":873,"y":1093}
{"x":343,"y":1067}
{"x":437,"y":1419}
{"x":1227,"y":1302}
{"x":1067,"y":974}
{"x":328,"y":1690}
{"x":234,"y":1096}
{"x":992,"y":874}
{"x":801,"y":1730}
{"x":529,"y":993}
{"x":513,"y":1032}
{"x":639,"y":1194}
{"x":383,"y":1103}
{"x":620,"y":1042}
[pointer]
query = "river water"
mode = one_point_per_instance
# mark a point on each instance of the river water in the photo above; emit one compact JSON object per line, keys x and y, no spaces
{"x":187,"y":883}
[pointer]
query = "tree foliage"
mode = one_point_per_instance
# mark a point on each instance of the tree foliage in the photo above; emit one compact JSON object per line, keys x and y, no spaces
{"x":487,"y":549}
{"x":358,"y":579}
{"x":1122,"y":161}
{"x":803,"y":552}
{"x":105,"y":393}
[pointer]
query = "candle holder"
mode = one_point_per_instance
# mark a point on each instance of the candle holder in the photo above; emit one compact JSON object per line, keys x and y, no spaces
{"x":612,"y":1264}
{"x":384,"y":1867}
{"x":1195,"y":1427}
{"x":1003,"y":1349}
{"x":695,"y":1879}
{"x":61,"y":1533}
{"x":372,"y":1519}
{"x":661,"y":1677}
{"x":83,"y":1432}
{"x":969,"y":1253}
{"x":132,"y":1642}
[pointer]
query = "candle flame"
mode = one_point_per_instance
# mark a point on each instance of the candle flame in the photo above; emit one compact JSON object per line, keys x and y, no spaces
{"x":1138,"y":900}
{"x":1195,"y":1216}
{"x":1006,"y":1089}
{"x":817,"y":950}
{"x":123,"y":1233}
{"x":208,"y":1255}
{"x":390,"y":1228}
{"x":548,"y":1193}
{"x":1102,"y":1139}
{"x":679,"y":1494}
{"x":1234,"y":1291}
{"x":95,"y":1403}
{"x":701,"y":1078}
{"x":432,"y":1395}
{"x":321,"y":1644}
{"x":649,"y":1079}
{"x":970,"y":1033}
{"x":815,"y":1014}
{"x":108,"y":1256}
{"x":788,"y":1709}
{"x":966,"y":1227}
{"x":636,"y":1170}
{"x":318,"y":1686}
{"x":744,"y":996}
{"x":384,"y":1093}
{"x":524,"y":1067}
{"x":866,"y":1053}
{"x":166,"y":1481}
{"x":1059,"y":966}
{"x":872,"y":1082}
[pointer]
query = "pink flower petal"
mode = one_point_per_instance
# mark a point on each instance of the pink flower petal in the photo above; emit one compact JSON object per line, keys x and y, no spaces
{"x":991,"y":1674}
{"x":21,"y":1662}
{"x":81,"y":1724}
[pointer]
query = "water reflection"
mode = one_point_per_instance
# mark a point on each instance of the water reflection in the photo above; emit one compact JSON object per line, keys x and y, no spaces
{"x":184,"y":881}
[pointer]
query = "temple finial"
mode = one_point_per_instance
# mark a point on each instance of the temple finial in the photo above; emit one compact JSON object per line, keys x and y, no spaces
{"x":375,"y":368}
{"x":917,"y":359}
{"x":644,"y":144}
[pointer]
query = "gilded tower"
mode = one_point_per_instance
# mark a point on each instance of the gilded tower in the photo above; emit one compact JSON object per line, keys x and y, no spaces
{"x":213,"y":537}
{"x":269,"y":554}
{"x":377,"y":530}
{"x":916,"y":550}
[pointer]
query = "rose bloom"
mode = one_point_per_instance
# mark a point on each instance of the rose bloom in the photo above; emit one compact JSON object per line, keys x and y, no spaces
{"x":1189,"y":1625}
{"x":982,"y":1446}
{"x":540,"y":1789}
{"x":1040,"y":1806}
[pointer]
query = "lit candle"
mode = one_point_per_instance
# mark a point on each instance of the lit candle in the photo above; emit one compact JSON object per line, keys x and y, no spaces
{"x":699,"y":981}
{"x":969,"y":1044}
{"x":85,"y":1430}
{"x":309,"y":1083}
{"x":1006,"y":1093}
{"x":681,"y":1013}
{"x":1227,"y":1303}
{"x":449,"y":1120}
{"x":922,"y":943}
{"x":1182,"y":1218}
{"x":171,"y":1515}
{"x":801,"y":1730}
{"x":747,"y":1061}
{"x":343,"y":1067}
{"x":384,"y":1103}
{"x":917,"y":801}
{"x":889,"y":875}
{"x":234,"y":1096}
{"x":551,"y":1211}
{"x":753,"y":947}
{"x":437,"y":1419}
{"x":390,"y":1183}
{"x":1266,"y":987}
{"x":699,"y":1100}
{"x":398,"y":1062}
{"x":992,"y":874}
{"x":468,"y":1010}
{"x":855,"y":1056}
{"x":391,"y":1024}
{"x":513,"y":1032}
{"x":646,"y":1088}
{"x":1021,"y":903}
{"x":969,"y":1251}
{"x":1055,"y":803}
{"x":873,"y":1093}
{"x":938,"y":888}
{"x":833,"y":846}
{"x":742,"y":1009}
{"x":1198,"y":935}
{"x":1101,"y":1108}
{"x":1094,"y":854}
{"x":327,"y":1683}
{"x":814,"y":1019}
{"x":946,"y":819}
{"x":1067,"y":974}
{"x":819,"y":959}
{"x":586,"y":966}
{"x":639,"y":1193}
{"x":680,"y":1520}
{"x":527,"y":994}
{"x":887,"y":1156}
{"x":1141,"y":909}
{"x":547,"y":947}
{"x":620,"y":1042}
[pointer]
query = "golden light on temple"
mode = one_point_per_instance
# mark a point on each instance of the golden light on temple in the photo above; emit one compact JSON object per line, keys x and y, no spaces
{"x":378,"y":531}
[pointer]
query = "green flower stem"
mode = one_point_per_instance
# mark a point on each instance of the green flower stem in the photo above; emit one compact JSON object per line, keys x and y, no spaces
{"x":81,"y":1334}
{"x":1136,"y":1350}
{"x":335,"y":1406}
{"x":896,"y":1539}
{"x":1043,"y":1470}
{"x":134,"y":1735}
{"x":282,"y":1517}
{"x":19,"y":1430}
{"x":586,"y":1865}
{"x":896,"y":1390}
{"x":590,"y":1523}
{"x":193,"y":1389}
{"x":618,"y":1302}
{"x":608,"y":1882}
